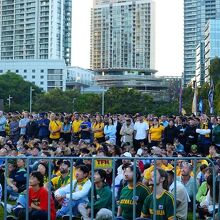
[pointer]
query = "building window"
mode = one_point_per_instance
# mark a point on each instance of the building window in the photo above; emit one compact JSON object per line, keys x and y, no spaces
{"x":1,"y":71}
{"x":17,"y":71}
{"x":33,"y":71}
{"x":33,"y":83}
{"x":25,"y":71}
{"x":42,"y":71}
{"x":41,"y":83}
{"x":33,"y":77}
{"x":25,"y":77}
{"x":41,"y":77}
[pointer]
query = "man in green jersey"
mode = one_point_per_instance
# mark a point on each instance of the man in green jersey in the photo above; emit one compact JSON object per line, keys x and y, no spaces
{"x":164,"y":199}
{"x":127,"y":199}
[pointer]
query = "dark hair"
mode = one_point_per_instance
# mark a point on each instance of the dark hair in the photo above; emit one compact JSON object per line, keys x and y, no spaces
{"x":138,"y":173}
{"x":163,"y":173}
{"x":83,"y":168}
{"x":209,"y":169}
{"x":203,"y":167}
{"x":46,"y":167}
{"x":102,"y":174}
{"x":211,"y":185}
{"x":39,"y":176}
{"x":65,"y":162}
{"x":108,"y":121}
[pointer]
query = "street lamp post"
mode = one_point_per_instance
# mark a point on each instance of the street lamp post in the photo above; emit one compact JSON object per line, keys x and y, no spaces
{"x":103,"y":101}
{"x":31,"y":90}
{"x":74,"y":104}
{"x":9,"y":102}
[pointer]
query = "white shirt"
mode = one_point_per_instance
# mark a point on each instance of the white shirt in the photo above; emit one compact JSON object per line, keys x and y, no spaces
{"x":182,"y":199}
{"x":141,"y":130}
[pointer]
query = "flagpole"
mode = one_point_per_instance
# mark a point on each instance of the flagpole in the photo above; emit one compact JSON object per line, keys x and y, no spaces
{"x":211,"y":97}
{"x":180,"y":98}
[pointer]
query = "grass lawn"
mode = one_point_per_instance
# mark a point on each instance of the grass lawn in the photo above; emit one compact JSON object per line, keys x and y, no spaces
{"x":190,"y":215}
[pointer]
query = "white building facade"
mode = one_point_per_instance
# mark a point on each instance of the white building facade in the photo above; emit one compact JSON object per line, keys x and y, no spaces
{"x":47,"y":74}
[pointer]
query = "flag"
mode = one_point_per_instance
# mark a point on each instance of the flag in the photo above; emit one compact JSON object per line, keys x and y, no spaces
{"x":211,"y":97}
{"x":194,"y":103}
{"x":183,"y":111}
{"x":180,"y":99}
{"x":201,"y":105}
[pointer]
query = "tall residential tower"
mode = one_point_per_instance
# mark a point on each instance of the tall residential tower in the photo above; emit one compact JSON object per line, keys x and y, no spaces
{"x":35,"y":40}
{"x":122,"y":35}
{"x":35,"y":29}
{"x":196,"y":14}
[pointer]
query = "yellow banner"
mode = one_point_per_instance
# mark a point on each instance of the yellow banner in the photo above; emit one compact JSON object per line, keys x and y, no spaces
{"x":103,"y":163}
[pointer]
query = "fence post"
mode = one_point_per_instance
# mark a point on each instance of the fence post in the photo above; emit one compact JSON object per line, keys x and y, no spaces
{"x":27,"y":189}
{"x":49,"y":189}
{"x":113,"y":187}
{"x":134,"y":189}
{"x":5,"y":186}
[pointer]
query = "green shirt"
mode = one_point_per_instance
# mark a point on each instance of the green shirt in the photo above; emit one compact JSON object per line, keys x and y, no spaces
{"x":164,"y":206}
{"x":126,"y":200}
{"x":202,"y":192}
{"x":102,"y":198}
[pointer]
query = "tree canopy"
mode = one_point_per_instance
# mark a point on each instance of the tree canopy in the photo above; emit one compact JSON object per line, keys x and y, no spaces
{"x":117,"y":100}
{"x":19,"y":89}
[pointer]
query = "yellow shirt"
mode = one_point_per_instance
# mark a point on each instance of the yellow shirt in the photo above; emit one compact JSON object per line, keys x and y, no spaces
{"x":148,"y":171}
{"x":98,"y":134}
{"x":76,"y":125}
{"x":56,"y":180}
{"x":54,"y":126}
{"x":156,"y":133}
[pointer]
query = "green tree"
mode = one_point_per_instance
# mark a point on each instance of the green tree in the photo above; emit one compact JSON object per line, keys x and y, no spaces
{"x":214,"y":72}
{"x":187,"y":99}
{"x":126,"y":101}
{"x":56,"y":100}
{"x":19,"y":89}
{"x":89,"y":103}
{"x":217,"y":98}
{"x":214,"y":69}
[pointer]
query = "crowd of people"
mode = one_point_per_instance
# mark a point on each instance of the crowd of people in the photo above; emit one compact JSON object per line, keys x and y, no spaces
{"x":172,"y":140}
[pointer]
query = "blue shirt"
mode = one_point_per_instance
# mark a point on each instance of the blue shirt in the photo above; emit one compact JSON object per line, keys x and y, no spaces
{"x":43,"y":125}
{"x":23,"y":122}
{"x":66,"y":127}
{"x":85,"y":134}
{"x":2,"y":123}
{"x":110,"y":131}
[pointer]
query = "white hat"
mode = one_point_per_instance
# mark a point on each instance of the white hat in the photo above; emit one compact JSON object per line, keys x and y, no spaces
{"x":126,"y":154}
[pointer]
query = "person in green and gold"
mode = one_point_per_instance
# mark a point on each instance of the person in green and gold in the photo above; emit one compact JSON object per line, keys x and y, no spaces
{"x":164,"y":199}
{"x":125,"y":209}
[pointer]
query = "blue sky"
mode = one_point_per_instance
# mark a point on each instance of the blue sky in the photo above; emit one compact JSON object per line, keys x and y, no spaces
{"x":168,"y":39}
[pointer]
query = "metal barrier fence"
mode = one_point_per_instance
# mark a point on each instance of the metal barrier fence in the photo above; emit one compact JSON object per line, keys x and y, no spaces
{"x":111,"y":161}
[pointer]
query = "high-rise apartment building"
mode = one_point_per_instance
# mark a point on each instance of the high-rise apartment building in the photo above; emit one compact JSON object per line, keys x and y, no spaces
{"x":122,"y":35}
{"x":196,"y":15}
{"x":212,"y":44}
{"x":35,"y":29}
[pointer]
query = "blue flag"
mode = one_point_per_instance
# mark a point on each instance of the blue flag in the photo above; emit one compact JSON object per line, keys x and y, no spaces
{"x":211,"y":97}
{"x":201,"y":105}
